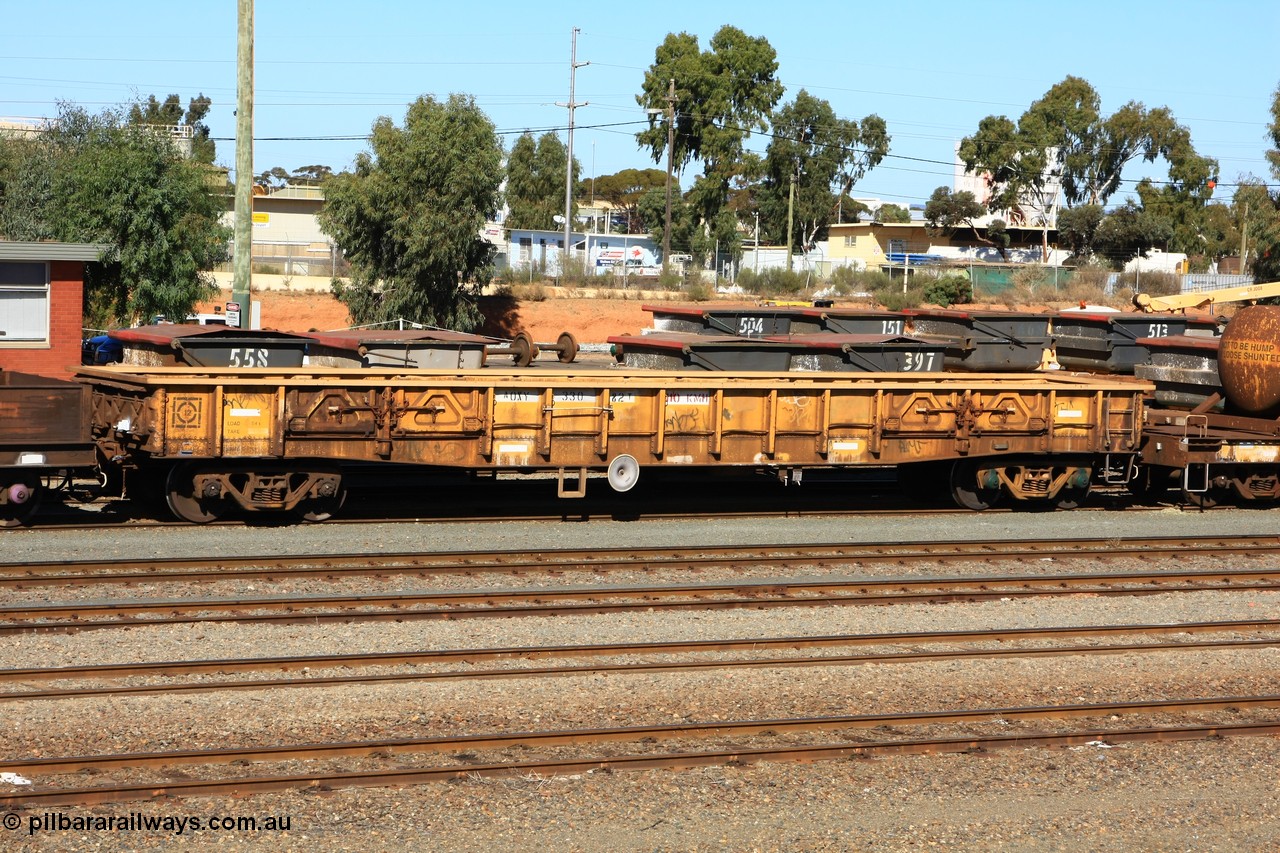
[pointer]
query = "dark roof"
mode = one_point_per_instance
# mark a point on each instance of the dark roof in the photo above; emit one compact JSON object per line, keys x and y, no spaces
{"x":16,"y":250}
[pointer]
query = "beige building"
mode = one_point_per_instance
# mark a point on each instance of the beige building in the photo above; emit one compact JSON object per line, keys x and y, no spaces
{"x":286,"y":234}
{"x":889,"y":245}
{"x":869,"y":245}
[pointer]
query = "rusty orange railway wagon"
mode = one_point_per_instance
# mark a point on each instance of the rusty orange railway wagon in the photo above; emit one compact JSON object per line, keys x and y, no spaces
{"x":264,"y":439}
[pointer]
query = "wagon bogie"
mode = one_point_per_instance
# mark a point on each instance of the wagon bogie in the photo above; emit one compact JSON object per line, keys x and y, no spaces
{"x":1049,"y":481}
{"x":200,"y":492}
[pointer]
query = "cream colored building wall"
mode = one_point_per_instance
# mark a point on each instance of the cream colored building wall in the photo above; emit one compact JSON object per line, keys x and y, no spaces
{"x":868,"y":242}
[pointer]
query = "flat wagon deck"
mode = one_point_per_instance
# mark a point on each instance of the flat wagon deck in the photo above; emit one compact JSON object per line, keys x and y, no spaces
{"x":271,"y":439}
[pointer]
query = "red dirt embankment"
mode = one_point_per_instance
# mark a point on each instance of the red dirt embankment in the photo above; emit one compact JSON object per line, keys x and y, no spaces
{"x":589,"y":320}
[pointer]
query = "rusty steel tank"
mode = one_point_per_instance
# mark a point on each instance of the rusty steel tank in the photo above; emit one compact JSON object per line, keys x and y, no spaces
{"x":1249,"y":360}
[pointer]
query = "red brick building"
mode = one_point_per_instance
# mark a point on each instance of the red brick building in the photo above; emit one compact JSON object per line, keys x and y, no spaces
{"x":42,"y":305}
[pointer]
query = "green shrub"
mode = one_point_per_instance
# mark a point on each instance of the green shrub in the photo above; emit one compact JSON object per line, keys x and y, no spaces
{"x":531,"y":292}
{"x":860,"y":281}
{"x":670,"y":280}
{"x":894,"y":298}
{"x":576,"y":270}
{"x":698,"y":290}
{"x":774,"y":282}
{"x":950,"y":289}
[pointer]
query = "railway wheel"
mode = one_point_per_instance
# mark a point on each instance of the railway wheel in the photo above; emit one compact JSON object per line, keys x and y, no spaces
{"x":19,"y":501}
{"x":523,"y":349}
{"x":971,"y":487}
{"x":185,"y":502}
{"x":1070,"y":497}
{"x":322,"y":509}
{"x":567,"y":346}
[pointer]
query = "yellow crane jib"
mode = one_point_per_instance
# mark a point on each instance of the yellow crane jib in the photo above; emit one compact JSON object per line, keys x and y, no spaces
{"x":1204,"y":299}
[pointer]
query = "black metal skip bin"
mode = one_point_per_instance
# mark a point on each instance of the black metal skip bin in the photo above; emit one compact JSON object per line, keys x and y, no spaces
{"x":985,"y":341}
{"x":1184,"y":369}
{"x":1111,"y":341}
{"x":780,"y":353}
{"x":210,"y":346}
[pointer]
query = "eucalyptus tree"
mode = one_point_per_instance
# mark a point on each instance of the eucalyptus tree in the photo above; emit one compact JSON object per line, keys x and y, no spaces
{"x":1064,"y":143}
{"x":1129,"y":232}
{"x":717,"y":98}
{"x":170,"y":113}
{"x":624,"y":190}
{"x":535,"y":182}
{"x":822,"y":156}
{"x":948,"y":212}
{"x":101,"y":178}
{"x":893,"y":213}
{"x":410,"y":215}
{"x":1258,"y":209}
{"x":1273,"y":128}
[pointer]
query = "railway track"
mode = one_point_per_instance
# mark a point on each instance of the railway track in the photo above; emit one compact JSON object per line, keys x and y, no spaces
{"x":466,"y":746}
{"x":414,"y":760}
{"x":603,"y":561}
{"x":580,"y":600}
{"x":170,"y":669}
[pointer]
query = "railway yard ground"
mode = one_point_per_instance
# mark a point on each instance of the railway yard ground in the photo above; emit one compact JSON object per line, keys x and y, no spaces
{"x":979,"y":783}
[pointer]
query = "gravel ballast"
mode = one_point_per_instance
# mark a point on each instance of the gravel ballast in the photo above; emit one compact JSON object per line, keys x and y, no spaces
{"x":1198,"y":795}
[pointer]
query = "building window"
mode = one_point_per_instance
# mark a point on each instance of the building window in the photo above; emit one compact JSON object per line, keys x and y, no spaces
{"x":24,"y":302}
{"x":850,"y":241}
{"x":526,"y":249}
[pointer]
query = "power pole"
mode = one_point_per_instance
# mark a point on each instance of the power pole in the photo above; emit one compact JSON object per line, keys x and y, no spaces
{"x":574,"y":65}
{"x":242,"y":260}
{"x":671,"y":138}
{"x":1244,"y":238}
{"x":756,"y":253}
{"x":791,"y":203}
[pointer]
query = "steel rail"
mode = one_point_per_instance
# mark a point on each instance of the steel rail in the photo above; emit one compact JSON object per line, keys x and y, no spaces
{"x":400,"y":613}
{"x":70,"y":764}
{"x":451,"y":656}
{"x":632,"y":668}
{"x":607,"y":513}
{"x":672,"y":761}
{"x":904,"y":588}
{"x":620,"y":559}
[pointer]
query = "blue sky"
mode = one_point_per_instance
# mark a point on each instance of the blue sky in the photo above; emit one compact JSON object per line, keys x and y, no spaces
{"x":326,"y":70}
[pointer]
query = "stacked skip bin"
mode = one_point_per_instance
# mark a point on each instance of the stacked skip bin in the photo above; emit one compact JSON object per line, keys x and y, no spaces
{"x":744,"y":322}
{"x":989,"y":341}
{"x":778,"y":339}
{"x":772,"y":338}
{"x":171,"y":345}
{"x":1184,"y":369}
{"x":394,"y":348}
{"x":1118,"y":341}
{"x":779,"y":353}
{"x":767,"y":321}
